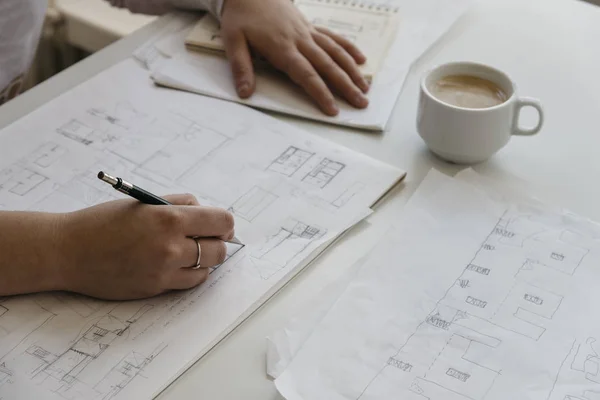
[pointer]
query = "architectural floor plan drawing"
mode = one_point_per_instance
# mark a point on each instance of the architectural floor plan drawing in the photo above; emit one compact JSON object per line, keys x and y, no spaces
{"x":283,"y":246}
{"x":504,"y":308}
{"x":495,"y":298}
{"x":71,"y":347}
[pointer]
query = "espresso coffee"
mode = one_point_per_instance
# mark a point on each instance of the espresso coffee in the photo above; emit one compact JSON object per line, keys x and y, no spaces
{"x":468,"y":91}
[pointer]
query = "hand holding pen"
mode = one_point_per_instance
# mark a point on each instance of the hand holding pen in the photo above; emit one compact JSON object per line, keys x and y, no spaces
{"x":118,"y":250}
{"x":138,"y":193}
{"x":121,"y":250}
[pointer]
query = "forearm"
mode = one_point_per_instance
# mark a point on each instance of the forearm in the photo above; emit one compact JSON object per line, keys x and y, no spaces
{"x":159,"y":7}
{"x":30,"y":252}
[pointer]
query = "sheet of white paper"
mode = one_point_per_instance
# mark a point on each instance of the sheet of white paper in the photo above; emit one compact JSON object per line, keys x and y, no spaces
{"x":422,"y":23}
{"x":283,"y":344}
{"x":291,"y":193}
{"x":466,"y":298}
{"x":168,"y":40}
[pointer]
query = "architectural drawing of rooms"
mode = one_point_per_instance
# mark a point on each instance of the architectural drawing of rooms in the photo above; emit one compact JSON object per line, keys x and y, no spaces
{"x":456,"y":353}
{"x":111,"y":348}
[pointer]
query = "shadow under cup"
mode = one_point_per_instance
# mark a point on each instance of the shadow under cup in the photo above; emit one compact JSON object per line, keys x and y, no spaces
{"x":464,"y":135}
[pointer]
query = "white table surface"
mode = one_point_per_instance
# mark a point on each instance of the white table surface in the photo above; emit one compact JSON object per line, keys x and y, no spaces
{"x":549,"y":47}
{"x":94,"y":24}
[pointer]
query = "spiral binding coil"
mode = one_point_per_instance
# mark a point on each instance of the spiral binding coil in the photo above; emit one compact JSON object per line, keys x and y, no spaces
{"x":360,"y":4}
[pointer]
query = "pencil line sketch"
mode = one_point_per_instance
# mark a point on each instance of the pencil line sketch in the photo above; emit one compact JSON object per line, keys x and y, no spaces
{"x":579,"y":374}
{"x":338,"y":25}
{"x":123,"y":115}
{"x":85,"y":135}
{"x":348,"y":194}
{"x":47,"y":154}
{"x":290,"y":161}
{"x":125,"y":371}
{"x":81,"y":305}
{"x":77,"y":131}
{"x":451,"y":353}
{"x":253,"y":203}
{"x":282,"y":247}
{"x":61,"y":372}
{"x":6,"y":375}
{"x":20,"y":180}
{"x":175,"y":159}
{"x":324,"y":173}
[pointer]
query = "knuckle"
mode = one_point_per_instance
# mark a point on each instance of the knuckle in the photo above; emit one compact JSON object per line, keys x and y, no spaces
{"x":190,"y":199}
{"x":332,"y":69}
{"x":338,"y":52}
{"x":306,"y":74}
{"x":285,"y":61}
{"x":168,"y":218}
{"x":169,"y":252}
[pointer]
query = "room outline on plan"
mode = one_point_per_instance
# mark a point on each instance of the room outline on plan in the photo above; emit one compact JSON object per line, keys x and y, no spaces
{"x":488,"y":304}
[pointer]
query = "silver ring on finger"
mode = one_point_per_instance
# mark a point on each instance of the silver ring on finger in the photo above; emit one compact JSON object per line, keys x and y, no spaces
{"x":197,"y":266}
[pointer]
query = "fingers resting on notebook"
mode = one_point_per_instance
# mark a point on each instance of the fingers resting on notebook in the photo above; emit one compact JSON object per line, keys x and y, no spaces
{"x":318,"y":60}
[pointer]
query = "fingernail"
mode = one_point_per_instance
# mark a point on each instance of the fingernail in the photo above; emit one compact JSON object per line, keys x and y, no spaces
{"x":361,"y":101}
{"x":243,"y":89}
{"x":364,"y":85}
{"x":333,"y":108}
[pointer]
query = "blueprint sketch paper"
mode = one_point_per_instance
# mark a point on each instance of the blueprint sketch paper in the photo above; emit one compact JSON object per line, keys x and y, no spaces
{"x":284,"y":344}
{"x":466,"y":298}
{"x":291,"y":193}
{"x":422,"y":23}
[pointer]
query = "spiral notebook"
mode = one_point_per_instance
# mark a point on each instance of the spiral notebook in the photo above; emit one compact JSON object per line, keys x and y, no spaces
{"x":371,"y":27}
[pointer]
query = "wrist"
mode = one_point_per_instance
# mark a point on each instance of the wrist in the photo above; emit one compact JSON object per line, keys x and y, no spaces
{"x":58,"y":252}
{"x":67,"y":254}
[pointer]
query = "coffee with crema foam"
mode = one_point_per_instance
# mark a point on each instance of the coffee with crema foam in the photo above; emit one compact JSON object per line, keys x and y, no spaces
{"x":468,"y":91}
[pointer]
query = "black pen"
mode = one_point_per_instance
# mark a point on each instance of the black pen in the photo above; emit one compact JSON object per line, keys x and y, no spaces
{"x":138,"y":193}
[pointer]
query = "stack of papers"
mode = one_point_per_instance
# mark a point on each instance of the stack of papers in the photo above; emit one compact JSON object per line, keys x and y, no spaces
{"x":291,"y":193}
{"x":475,"y":293}
{"x":421,"y":24}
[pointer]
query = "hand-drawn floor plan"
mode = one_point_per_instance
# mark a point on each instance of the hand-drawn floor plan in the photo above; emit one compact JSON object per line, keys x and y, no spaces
{"x":506,"y":294}
{"x":280,"y":184}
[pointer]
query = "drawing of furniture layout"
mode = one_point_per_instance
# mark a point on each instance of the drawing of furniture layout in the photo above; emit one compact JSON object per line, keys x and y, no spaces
{"x":282,"y":247}
{"x":19,"y":180}
{"x":124,"y":372}
{"x":123,"y":115}
{"x":324,"y":173}
{"x":61,"y":373}
{"x":493,"y":300}
{"x":290,"y":161}
{"x":85,"y":135}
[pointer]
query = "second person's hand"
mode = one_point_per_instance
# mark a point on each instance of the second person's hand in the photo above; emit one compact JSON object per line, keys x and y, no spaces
{"x":314,"y":58}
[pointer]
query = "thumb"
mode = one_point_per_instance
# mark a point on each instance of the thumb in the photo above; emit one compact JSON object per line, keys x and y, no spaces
{"x":238,"y":53}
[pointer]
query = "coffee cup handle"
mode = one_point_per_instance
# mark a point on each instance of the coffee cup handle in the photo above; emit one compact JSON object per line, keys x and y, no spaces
{"x":527,"y":102}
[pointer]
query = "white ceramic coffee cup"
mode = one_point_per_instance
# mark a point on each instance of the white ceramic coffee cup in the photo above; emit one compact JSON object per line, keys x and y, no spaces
{"x":471,"y":135}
